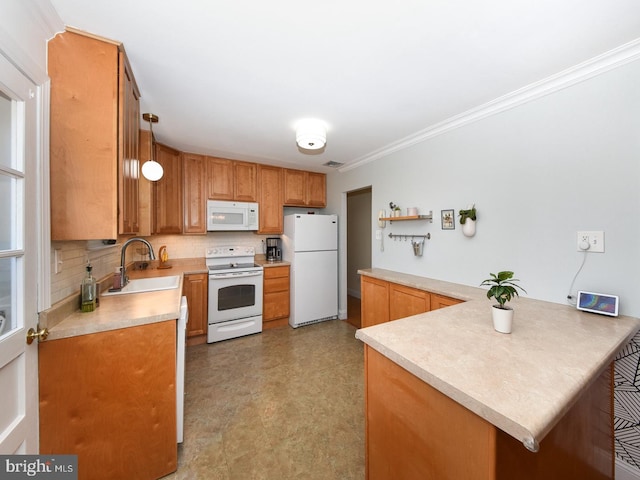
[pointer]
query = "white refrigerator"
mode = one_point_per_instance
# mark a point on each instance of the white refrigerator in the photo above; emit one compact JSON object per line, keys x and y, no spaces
{"x":310,"y":244}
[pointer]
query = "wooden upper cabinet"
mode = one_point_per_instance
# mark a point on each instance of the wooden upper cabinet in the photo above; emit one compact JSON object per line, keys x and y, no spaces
{"x":304,"y":189}
{"x":294,"y":187}
{"x":93,"y":138}
{"x":128,"y":150}
{"x":194,"y":186}
{"x":316,"y":194}
{"x":220,"y":178}
{"x":231,"y":180}
{"x":271,"y":215}
{"x":145,"y":194}
{"x":245,"y":181}
{"x":167,"y":192}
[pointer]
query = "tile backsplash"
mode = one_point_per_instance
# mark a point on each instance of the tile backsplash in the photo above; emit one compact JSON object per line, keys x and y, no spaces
{"x":104,"y":259}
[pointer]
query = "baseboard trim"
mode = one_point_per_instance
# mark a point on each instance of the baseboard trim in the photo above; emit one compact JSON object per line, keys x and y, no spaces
{"x":624,"y":471}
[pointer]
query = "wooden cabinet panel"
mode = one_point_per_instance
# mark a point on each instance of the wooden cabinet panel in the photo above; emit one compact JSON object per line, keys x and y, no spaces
{"x":194,"y":171}
{"x":168,"y":192}
{"x":276,"y":305}
{"x":440,"y":301}
{"x":270,"y":200}
{"x":84,"y":137}
{"x":276,"y":296}
{"x":110,"y":398}
{"x":316,"y":194}
{"x":245,"y":181}
{"x":220,"y":178}
{"x":232,"y":180}
{"x":294,"y":187}
{"x":145,"y":193}
{"x":304,"y":189}
{"x":374,"y":301}
{"x":196,"y":288}
{"x":129,"y":149}
{"x":406,"y":301}
{"x":414,"y":431}
{"x":383,"y":301}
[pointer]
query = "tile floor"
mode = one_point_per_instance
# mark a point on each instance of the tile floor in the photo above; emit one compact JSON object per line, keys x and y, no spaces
{"x":284,"y":404}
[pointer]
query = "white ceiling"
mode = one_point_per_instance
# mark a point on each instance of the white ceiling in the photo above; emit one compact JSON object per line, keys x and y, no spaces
{"x":231,"y":78}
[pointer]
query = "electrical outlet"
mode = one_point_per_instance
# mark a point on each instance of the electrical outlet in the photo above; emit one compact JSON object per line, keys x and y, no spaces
{"x":591,"y":241}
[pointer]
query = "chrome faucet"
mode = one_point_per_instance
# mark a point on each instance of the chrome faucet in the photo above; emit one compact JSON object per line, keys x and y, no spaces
{"x":123,"y":269}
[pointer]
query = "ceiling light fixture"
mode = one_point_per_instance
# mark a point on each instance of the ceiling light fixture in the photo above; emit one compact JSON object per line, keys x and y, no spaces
{"x":151,"y":170}
{"x":311,"y":134}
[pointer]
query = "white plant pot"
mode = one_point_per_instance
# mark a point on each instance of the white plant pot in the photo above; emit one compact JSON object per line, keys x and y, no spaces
{"x":469,"y":227}
{"x":502,"y":319}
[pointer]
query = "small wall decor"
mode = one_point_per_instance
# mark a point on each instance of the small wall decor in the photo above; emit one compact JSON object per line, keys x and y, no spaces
{"x":468,"y":220}
{"x":448,"y":220}
{"x":395,"y":210}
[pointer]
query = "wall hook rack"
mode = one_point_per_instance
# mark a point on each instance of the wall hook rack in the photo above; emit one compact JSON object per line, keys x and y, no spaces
{"x":406,"y":237}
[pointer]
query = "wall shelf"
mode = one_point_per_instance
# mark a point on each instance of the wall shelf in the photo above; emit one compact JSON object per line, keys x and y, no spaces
{"x":411,"y":217}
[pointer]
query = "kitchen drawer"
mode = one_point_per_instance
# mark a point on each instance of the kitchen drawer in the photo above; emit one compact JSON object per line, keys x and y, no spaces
{"x":276,"y":272}
{"x":279,"y":284}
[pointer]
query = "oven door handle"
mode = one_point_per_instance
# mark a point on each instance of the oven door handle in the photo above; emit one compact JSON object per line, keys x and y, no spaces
{"x":220,"y":276}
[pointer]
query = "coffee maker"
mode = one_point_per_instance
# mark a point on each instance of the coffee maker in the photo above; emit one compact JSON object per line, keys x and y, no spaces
{"x":274,"y":251}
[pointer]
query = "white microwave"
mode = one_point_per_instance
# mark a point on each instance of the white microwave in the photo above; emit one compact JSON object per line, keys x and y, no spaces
{"x":231,"y":216}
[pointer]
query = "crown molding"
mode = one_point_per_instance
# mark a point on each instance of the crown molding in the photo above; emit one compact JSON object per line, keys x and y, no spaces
{"x":24,"y":46}
{"x":615,"y":58}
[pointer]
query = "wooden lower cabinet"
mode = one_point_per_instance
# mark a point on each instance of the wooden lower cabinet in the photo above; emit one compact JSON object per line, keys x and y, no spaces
{"x":440,"y":301}
{"x":195,"y":287}
{"x":407,"y":301}
{"x":276,"y":297}
{"x":415,"y":432}
{"x":110,"y":398}
{"x":374,"y":301}
{"x":383,"y":301}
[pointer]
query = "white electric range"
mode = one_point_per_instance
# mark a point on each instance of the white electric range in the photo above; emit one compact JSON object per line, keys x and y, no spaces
{"x":235,"y":292}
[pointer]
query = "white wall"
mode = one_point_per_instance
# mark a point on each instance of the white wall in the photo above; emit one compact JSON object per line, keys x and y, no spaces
{"x":537,"y":173}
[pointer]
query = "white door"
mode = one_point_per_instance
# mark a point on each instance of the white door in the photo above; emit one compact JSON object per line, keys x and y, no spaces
{"x":18,"y":261}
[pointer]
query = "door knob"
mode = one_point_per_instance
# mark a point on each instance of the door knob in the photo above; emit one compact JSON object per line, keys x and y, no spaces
{"x":41,"y":335}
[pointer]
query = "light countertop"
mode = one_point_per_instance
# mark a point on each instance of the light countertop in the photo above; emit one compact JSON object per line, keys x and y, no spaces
{"x":523,"y":382}
{"x":122,"y":311}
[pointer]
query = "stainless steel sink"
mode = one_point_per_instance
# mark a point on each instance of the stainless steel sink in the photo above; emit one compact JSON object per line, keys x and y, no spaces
{"x":140,"y":285}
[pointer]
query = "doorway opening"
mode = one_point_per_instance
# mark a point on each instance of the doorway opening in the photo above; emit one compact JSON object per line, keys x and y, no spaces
{"x":358,"y":247}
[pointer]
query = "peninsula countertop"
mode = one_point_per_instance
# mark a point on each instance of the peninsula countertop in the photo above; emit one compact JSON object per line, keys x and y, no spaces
{"x":524,"y":382}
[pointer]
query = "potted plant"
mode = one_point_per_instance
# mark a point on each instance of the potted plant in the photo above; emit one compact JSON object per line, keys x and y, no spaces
{"x":503,"y":288}
{"x":395,"y":210}
{"x":468,"y":221}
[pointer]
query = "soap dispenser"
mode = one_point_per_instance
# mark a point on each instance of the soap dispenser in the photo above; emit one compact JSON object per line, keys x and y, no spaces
{"x":88,"y":291}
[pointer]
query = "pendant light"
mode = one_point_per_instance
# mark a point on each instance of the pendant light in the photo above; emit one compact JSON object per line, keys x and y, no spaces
{"x":151,"y":170}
